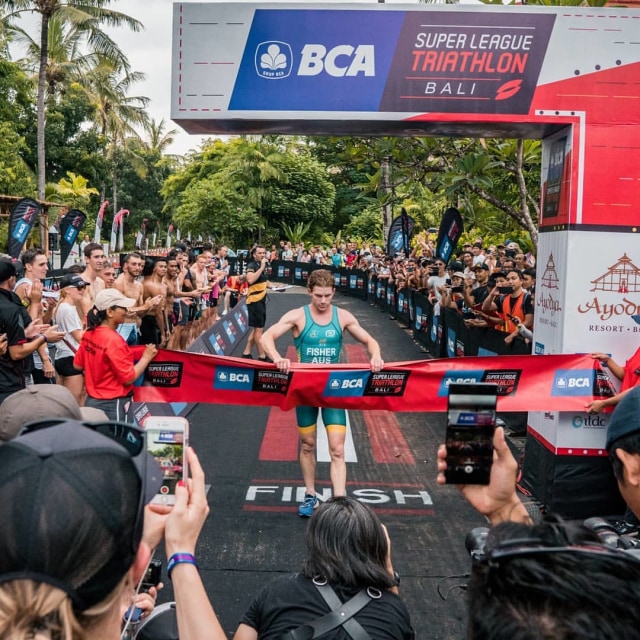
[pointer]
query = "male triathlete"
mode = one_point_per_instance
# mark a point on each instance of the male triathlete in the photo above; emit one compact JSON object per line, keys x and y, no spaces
{"x":317,"y":331}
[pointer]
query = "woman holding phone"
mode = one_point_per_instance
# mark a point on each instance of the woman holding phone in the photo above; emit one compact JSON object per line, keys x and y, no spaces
{"x":107,"y":360}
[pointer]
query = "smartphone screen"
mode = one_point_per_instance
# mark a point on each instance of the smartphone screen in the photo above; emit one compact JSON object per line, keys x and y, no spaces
{"x":471,"y":421}
{"x":167,"y":440}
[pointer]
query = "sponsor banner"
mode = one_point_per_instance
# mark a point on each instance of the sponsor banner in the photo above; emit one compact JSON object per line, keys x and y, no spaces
{"x":601,"y":306}
{"x":449,"y":63}
{"x":525,"y":383}
{"x":556,"y":179}
{"x":23,"y":216}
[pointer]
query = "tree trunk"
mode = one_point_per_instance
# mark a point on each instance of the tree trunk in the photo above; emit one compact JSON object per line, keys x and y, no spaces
{"x":42,"y":89}
{"x":387,"y":213}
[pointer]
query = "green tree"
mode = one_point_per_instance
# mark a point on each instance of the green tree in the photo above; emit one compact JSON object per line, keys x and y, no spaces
{"x":15,"y":176}
{"x":88,"y":16}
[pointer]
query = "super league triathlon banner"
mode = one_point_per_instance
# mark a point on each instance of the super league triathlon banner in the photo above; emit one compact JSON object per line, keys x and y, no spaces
{"x":525,"y":383}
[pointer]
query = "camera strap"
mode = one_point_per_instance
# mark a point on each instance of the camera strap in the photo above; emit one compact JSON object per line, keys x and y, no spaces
{"x":340,"y":615}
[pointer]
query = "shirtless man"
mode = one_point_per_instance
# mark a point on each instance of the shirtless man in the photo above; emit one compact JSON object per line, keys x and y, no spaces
{"x":155,"y":326}
{"x":317,"y":331}
{"x":127,"y":284}
{"x":108,"y":276}
{"x":94,"y":264}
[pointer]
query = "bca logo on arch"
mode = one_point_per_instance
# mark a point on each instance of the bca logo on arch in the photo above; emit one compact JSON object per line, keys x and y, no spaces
{"x":275,"y":61}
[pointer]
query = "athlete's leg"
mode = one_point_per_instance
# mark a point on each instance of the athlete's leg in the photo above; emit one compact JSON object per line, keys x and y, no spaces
{"x":335,"y":421}
{"x":307,"y":419}
{"x":257,"y":335}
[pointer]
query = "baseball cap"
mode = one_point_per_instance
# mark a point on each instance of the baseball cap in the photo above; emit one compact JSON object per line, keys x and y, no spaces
{"x":108,"y":298}
{"x":73,"y":506}
{"x":7,"y":269}
{"x":458,"y":274}
{"x":72,"y":280}
{"x":40,"y":402}
{"x":481,"y":265}
{"x":625,"y":419}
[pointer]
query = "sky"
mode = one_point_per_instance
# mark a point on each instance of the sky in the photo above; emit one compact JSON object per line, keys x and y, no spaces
{"x":150,"y":52}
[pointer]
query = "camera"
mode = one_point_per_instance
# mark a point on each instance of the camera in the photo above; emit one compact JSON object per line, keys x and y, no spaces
{"x":510,"y":253}
{"x":458,"y":289}
{"x":433,"y":271}
{"x":609,"y":536}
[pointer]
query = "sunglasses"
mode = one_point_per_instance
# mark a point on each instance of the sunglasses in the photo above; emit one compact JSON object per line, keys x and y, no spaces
{"x":132,"y":438}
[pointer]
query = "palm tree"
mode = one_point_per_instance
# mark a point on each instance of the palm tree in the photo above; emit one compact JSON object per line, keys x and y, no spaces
{"x":158,"y":139}
{"x":116,"y":116}
{"x":88,"y":16}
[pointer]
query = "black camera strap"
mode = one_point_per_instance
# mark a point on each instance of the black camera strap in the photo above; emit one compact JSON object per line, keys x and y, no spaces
{"x":340,"y":615}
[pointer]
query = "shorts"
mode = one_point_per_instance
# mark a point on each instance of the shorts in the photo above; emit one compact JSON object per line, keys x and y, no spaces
{"x":334,"y":419}
{"x":64,"y":367}
{"x":150,"y":331}
{"x":119,"y":409}
{"x":257,"y":314}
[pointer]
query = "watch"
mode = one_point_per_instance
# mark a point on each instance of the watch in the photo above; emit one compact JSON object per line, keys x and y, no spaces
{"x":396,"y":577}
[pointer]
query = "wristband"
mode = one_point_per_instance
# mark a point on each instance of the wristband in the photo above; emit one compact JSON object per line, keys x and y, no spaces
{"x":41,"y":335}
{"x":181,"y":558}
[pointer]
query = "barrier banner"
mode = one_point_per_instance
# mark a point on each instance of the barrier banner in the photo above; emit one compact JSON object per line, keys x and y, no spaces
{"x":526,"y":383}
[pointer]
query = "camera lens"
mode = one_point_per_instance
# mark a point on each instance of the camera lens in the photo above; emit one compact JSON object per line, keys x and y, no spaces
{"x":604,"y":530}
{"x":475,"y":541}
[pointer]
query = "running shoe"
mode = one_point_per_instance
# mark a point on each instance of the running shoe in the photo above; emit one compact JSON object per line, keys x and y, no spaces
{"x":248,"y":356}
{"x":305,"y":510}
{"x":265,"y":359}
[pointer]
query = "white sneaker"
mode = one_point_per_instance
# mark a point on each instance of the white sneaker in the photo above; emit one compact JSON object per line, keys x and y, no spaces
{"x":224,"y":313}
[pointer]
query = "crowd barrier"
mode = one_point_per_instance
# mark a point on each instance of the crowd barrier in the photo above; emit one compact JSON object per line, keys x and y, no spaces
{"x":443,"y":335}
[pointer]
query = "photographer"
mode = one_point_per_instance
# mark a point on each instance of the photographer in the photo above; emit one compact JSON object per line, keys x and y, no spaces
{"x":437,"y":280}
{"x":453,"y":294}
{"x":512,"y":303}
{"x":579,"y":590}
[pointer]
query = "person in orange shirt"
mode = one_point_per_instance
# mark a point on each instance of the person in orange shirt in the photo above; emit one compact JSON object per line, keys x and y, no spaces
{"x":107,"y":360}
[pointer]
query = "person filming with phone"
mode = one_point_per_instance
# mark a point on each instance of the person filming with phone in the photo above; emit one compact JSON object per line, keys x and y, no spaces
{"x":513,"y":304}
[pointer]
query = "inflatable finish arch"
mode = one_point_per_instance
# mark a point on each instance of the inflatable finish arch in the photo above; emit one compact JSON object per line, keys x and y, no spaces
{"x":567,"y":75}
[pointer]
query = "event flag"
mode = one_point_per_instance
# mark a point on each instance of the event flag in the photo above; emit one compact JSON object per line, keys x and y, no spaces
{"x":23,"y":216}
{"x":400,"y":233}
{"x":70,"y":226}
{"x":98,"y":230}
{"x":451,"y":229}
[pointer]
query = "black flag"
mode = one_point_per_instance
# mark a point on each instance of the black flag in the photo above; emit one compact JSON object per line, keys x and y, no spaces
{"x":451,"y":229}
{"x":21,"y":221}
{"x":70,"y":227}
{"x":400,"y":234}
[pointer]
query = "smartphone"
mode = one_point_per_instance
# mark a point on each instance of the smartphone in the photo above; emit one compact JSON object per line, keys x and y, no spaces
{"x":152,"y":575}
{"x":167,"y":442}
{"x":505,"y":289}
{"x":471,"y":421}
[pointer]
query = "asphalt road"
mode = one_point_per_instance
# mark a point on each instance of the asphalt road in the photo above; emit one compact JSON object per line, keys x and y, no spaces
{"x":253,"y":532}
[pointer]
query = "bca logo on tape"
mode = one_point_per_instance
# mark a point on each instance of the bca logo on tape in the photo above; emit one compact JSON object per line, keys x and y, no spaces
{"x":233,"y":379}
{"x":346,"y":383}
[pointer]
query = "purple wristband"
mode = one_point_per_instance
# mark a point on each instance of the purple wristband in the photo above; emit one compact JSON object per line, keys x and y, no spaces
{"x":180,"y":558}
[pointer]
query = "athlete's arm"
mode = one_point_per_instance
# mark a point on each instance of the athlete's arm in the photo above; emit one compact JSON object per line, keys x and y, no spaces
{"x":350,"y":324}
{"x":288,"y":322}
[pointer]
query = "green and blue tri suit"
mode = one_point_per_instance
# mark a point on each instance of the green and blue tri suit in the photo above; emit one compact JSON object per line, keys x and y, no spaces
{"x":320,"y":344}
